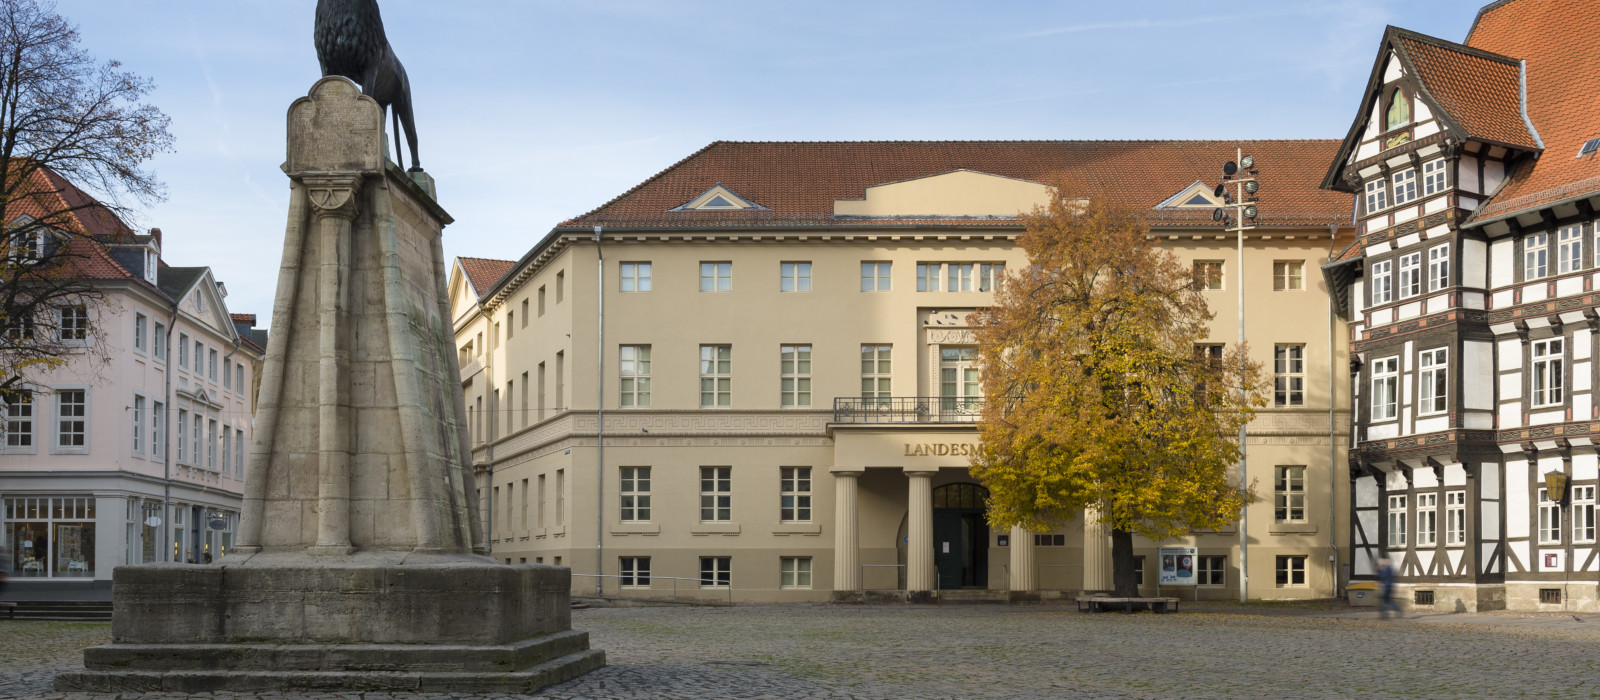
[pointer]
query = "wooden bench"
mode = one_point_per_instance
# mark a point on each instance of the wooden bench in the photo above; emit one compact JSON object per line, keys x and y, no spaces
{"x":10,"y":609}
{"x":1102,"y":604}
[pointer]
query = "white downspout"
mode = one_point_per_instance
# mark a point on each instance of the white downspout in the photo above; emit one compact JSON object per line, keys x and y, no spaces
{"x":600,"y":417}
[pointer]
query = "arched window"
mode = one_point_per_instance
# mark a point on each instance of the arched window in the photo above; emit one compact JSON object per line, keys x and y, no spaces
{"x":1399,"y":110}
{"x":964,"y":496}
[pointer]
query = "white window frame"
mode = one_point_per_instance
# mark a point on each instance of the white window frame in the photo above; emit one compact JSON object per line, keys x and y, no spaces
{"x":183,"y":350}
{"x":1433,"y":381}
{"x":958,"y":277}
{"x":794,"y":495}
{"x":1569,"y":249}
{"x":877,"y":372}
{"x":1289,"y":494}
{"x":1405,"y":186}
{"x":1410,"y":275}
{"x":1377,"y":195}
{"x":15,"y":421}
{"x":1583,"y":529}
{"x":1288,"y":275}
{"x":1289,"y":375}
{"x":928,"y":277}
{"x":141,"y":329}
{"x":158,"y":433}
{"x":635,"y":277}
{"x":1434,"y":179}
{"x":716,"y":572}
{"x":1385,"y":385}
{"x":1549,"y":519}
{"x":1547,"y":376}
{"x":138,"y":418}
{"x":877,"y":276}
{"x":72,"y":324}
{"x":1427,"y":519}
{"x":197,"y":456}
{"x":1536,"y":256}
{"x":57,"y":420}
{"x":633,"y":376}
{"x":633,"y":487}
{"x":238,"y":452}
{"x":716,"y":494}
{"x":1209,"y":275}
{"x":794,"y":573}
{"x":211,"y":444}
{"x":1397,"y":521}
{"x":1381,"y":282}
{"x":158,"y":342}
{"x":989,"y":276}
{"x":716,"y":276}
{"x":716,"y":376}
{"x":1438,"y":267}
{"x":183,"y":436}
{"x":1455,"y":518}
{"x":211,"y":365}
{"x":794,"y":376}
{"x":794,"y":276}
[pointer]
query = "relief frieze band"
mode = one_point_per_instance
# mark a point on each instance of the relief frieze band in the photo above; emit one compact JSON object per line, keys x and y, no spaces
{"x":1539,"y":309}
{"x":1369,"y":338}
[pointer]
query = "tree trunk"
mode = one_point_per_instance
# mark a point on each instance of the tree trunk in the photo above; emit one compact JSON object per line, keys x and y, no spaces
{"x":1123,"y":578}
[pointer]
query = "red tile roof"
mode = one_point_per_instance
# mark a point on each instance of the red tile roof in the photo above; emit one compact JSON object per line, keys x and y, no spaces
{"x":482,"y":273}
{"x":1480,"y":91}
{"x":243,"y":318}
{"x":1556,"y":38}
{"x":797,"y":182}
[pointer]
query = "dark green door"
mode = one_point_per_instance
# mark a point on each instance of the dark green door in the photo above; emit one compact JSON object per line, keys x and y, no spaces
{"x":948,"y":548}
{"x":960,"y":536}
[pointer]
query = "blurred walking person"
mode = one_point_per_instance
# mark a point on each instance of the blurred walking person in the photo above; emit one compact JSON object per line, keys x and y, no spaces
{"x":1386,"y":582}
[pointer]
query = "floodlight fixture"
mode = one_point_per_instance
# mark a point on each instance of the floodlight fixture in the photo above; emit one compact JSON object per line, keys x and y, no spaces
{"x":1252,"y":187}
{"x":1247,"y":162}
{"x":1250,"y":213}
{"x":1217,"y":214}
{"x":1229,"y":168}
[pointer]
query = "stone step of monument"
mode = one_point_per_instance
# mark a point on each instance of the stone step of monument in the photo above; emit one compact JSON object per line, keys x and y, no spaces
{"x":335,"y":657}
{"x":79,"y":610}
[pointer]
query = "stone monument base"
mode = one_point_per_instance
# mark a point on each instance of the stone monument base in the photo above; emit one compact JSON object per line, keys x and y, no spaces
{"x":386,"y":621}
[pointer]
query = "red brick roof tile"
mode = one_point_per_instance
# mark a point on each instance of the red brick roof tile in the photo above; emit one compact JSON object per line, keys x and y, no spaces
{"x":1479,"y":91}
{"x":797,"y":182}
{"x":482,"y":273}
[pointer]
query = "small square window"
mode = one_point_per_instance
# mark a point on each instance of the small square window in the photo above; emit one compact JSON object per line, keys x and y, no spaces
{"x":795,"y":572}
{"x":1291,"y":571}
{"x":1208,"y":274}
{"x":875,"y":277}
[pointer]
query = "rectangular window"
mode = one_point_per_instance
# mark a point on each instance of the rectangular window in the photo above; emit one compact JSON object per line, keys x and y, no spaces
{"x":541,"y":303}
{"x":522,"y":516}
{"x":875,"y":277}
{"x":561,"y":286}
{"x":716,"y":277}
{"x":1438,"y":267}
{"x":1548,"y":372}
{"x":1455,"y":518}
{"x":227,"y":448}
{"x":1138,"y":570}
{"x":1397,"y":521}
{"x":1382,"y":283}
{"x":526,"y":413}
{"x":1288,"y":275}
{"x":141,"y":325}
{"x":1212,"y":570}
{"x":875,"y":372}
{"x":199,"y":353}
{"x":1535,"y":256}
{"x":1569,"y":249}
{"x":72,"y":324}
{"x":958,"y":277}
{"x":561,"y":381}
{"x":1431,"y":381}
{"x":238,"y":453}
{"x":158,"y":435}
{"x":633,"y":369}
{"x":158,"y":340}
{"x":138,"y":426}
{"x":716,"y":572}
{"x":183,"y":436}
{"x":1385,"y":379}
{"x":1427,"y":519}
{"x":72,"y":421}
{"x":1291,"y":571}
{"x":183,"y":350}
{"x":1433,"y":177}
{"x":561,"y":497}
{"x":541,"y":500}
{"x":211,"y":365}
{"x":1377,"y":196}
{"x":794,"y":572}
{"x":794,"y":372}
{"x":635,"y":278}
{"x":1583,"y":514}
{"x":19,"y":420}
{"x":795,"y":495}
{"x":927,"y":277}
{"x":1208,"y":274}
{"x":635,"y":572}
{"x":211,"y":445}
{"x":198,"y":457}
{"x":989,"y":275}
{"x":716,"y":494}
{"x":716,"y":376}
{"x":635,"y":489}
{"x":1289,"y":495}
{"x":525,"y":312}
{"x":794,"y":277}
{"x":238,"y":379}
{"x":1405,"y":186}
{"x":1289,"y":375}
{"x":1410,"y":275}
{"x":511,"y":324}
{"x":1549,"y":519}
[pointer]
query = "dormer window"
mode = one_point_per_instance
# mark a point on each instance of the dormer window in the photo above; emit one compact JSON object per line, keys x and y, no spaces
{"x":1399,"y":110}
{"x":719,"y":198}
{"x":151,"y":260}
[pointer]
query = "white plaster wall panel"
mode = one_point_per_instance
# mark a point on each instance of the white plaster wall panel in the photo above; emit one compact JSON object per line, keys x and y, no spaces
{"x":1478,"y":420}
{"x":1369,"y":523}
{"x":1374,"y":120}
{"x":1489,"y":481}
{"x":1538,"y":322}
{"x":1370,"y":172}
{"x":1549,"y":560}
{"x":1580,"y":376}
{"x":1494,"y":173}
{"x":1366,"y":150}
{"x":1569,"y":286}
{"x":1582,"y":404}
{"x":1472,"y":300}
{"x":1394,"y":480}
{"x":1421,"y":113}
{"x":1517,"y":498}
{"x":1379,"y":248}
{"x":1424,"y":559}
{"x":1476,"y":362}
{"x":1585,"y":466}
{"x":1364,"y":565}
{"x":1410,"y":349}
{"x":1489,"y":515}
{"x":1429,"y":151}
{"x":1381,"y":317}
{"x":1505,"y":298}
{"x":1405,"y":214}
{"x":1455,"y":474}
{"x":1358,"y":297}
{"x":1427,"y":129}
{"x":1432,"y":425}
{"x":1489,"y":565}
{"x":1580,"y":342}
{"x":1510,"y":354}
{"x":1572,"y":317}
{"x":1383,"y":431}
{"x":1537,"y":291}
{"x":1398,"y":162}
{"x":1423,"y":478}
{"x":1436,"y":231}
{"x":1520,"y":550}
{"x":1468,"y":202}
{"x":1454,"y":557}
{"x":1408,"y":240}
{"x":1510,"y":386}
{"x":1411,"y":310}
{"x":1438,"y":303}
{"x":1546,"y":417}
{"x":1550,"y":464}
{"x":1467,"y":174}
{"x":1366,"y":492}
{"x":1583,"y":556}
{"x":1510,"y":415}
{"x":1501,"y":262}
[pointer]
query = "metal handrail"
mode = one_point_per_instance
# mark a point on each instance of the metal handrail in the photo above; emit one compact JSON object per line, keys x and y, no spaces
{"x":652,"y":577}
{"x":907,"y":409}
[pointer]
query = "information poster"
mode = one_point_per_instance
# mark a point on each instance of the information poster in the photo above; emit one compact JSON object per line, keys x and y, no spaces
{"x":1177,"y":566}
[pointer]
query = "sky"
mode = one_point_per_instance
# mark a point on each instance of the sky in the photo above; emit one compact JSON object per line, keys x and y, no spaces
{"x":532,"y":112}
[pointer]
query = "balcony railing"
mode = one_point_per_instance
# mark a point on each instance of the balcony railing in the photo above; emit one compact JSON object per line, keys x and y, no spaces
{"x":907,"y":409}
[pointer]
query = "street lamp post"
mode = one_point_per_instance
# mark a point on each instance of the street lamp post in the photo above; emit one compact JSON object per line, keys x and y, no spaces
{"x":1241,"y":218}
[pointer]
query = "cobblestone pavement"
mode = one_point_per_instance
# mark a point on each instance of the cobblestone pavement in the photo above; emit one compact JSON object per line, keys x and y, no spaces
{"x":803,"y":651}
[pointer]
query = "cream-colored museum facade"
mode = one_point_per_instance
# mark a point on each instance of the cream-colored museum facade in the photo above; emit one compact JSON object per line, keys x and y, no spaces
{"x":786,"y":282}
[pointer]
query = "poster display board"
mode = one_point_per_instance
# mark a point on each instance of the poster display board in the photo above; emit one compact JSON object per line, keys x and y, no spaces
{"x":1177,"y":565}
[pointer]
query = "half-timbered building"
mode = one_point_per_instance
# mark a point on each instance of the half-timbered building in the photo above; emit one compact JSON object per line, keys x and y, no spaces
{"x":1471,"y":298}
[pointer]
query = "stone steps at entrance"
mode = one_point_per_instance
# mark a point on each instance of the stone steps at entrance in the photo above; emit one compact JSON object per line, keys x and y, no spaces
{"x":64,"y":610}
{"x":974,"y":596}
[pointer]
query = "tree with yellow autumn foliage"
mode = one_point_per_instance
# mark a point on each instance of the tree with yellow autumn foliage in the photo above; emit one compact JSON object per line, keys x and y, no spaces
{"x":1097,"y":395}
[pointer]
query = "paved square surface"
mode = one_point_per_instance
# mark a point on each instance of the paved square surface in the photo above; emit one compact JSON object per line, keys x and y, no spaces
{"x":802,"y":651}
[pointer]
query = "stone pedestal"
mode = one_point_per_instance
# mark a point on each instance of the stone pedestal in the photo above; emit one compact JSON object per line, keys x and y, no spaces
{"x":359,"y":563}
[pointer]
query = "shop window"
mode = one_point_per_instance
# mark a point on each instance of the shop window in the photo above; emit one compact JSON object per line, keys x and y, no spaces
{"x":50,"y":537}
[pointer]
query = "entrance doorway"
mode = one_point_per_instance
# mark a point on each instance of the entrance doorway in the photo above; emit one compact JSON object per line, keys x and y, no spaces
{"x":961,"y":536}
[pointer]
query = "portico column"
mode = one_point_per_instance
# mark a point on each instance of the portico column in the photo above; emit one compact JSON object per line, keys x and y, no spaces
{"x":1096,"y":553}
{"x":919,"y":531}
{"x":846,"y":533}
{"x":1024,"y":576}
